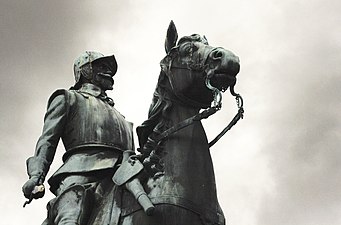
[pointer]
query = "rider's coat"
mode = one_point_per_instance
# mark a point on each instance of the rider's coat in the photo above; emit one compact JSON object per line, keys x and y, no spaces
{"x":93,"y":132}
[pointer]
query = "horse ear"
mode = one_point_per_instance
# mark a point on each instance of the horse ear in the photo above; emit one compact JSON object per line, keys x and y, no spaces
{"x":172,"y":37}
{"x":205,"y":39}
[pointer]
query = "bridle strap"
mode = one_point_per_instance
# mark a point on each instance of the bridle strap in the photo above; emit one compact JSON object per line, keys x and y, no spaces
{"x":208,"y":112}
{"x":185,"y":123}
{"x":236,"y":118}
{"x":204,"y":115}
{"x":192,"y":65}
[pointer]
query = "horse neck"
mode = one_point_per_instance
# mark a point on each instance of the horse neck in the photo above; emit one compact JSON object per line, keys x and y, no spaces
{"x":181,"y":112}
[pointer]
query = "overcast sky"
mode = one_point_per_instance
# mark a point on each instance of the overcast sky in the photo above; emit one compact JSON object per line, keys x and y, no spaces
{"x":281,"y":165}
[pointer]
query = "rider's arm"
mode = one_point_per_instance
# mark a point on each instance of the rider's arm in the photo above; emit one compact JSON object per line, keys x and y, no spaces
{"x":54,"y":122}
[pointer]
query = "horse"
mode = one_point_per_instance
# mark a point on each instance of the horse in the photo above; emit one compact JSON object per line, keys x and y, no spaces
{"x":178,"y":174}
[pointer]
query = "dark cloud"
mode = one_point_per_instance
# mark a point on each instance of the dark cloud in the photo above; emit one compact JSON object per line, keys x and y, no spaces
{"x":39,"y":41}
{"x":35,"y":38}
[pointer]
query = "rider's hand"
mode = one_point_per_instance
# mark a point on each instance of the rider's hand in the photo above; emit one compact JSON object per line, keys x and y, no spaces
{"x":32,"y":188}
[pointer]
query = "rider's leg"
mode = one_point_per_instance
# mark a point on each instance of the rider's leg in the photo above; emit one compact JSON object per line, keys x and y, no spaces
{"x":72,"y":206}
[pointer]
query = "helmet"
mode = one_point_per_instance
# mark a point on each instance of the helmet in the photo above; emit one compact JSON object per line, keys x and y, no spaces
{"x":89,"y":57}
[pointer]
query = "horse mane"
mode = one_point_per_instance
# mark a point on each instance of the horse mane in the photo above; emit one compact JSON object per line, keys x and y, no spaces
{"x":158,"y":120}
{"x":193,"y":38}
{"x":156,"y":123}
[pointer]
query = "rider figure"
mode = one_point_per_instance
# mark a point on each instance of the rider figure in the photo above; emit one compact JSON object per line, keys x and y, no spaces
{"x":94,"y":135}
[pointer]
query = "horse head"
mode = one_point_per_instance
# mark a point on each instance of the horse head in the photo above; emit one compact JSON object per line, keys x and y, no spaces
{"x":193,"y":67}
{"x":192,"y":73}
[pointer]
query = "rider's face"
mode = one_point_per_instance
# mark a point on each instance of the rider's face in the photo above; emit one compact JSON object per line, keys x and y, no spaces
{"x":103,"y":76}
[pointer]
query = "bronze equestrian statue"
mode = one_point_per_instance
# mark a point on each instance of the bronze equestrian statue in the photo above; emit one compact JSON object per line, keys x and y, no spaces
{"x":171,"y":181}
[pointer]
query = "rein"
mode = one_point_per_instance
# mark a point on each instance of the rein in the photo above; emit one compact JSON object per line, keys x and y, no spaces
{"x":202,"y":115}
{"x":207,"y":113}
{"x":238,"y":116}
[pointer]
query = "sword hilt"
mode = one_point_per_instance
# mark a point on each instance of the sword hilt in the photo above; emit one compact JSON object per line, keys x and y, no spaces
{"x":38,"y":192}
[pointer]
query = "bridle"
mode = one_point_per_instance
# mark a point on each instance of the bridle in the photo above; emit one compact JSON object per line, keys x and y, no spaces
{"x":215,"y":106}
{"x":238,"y":116}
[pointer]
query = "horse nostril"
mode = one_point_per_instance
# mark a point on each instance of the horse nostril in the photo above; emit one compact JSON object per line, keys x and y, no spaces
{"x":217,"y":54}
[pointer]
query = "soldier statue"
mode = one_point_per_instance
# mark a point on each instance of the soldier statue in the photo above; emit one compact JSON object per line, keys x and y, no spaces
{"x":94,"y":135}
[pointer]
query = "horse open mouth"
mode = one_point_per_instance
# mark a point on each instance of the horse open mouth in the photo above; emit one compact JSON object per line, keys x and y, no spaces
{"x":222,"y":80}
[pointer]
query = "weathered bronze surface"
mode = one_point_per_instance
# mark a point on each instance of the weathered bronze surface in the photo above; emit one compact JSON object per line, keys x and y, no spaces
{"x":179,"y":172}
{"x":94,"y":135}
{"x":171,"y":181}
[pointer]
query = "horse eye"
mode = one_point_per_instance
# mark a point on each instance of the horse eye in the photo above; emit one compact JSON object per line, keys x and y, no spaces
{"x":195,"y":47}
{"x":186,"y":48}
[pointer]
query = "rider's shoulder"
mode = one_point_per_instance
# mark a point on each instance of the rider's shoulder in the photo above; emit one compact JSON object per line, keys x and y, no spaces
{"x":57,"y":94}
{"x":63,"y":95}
